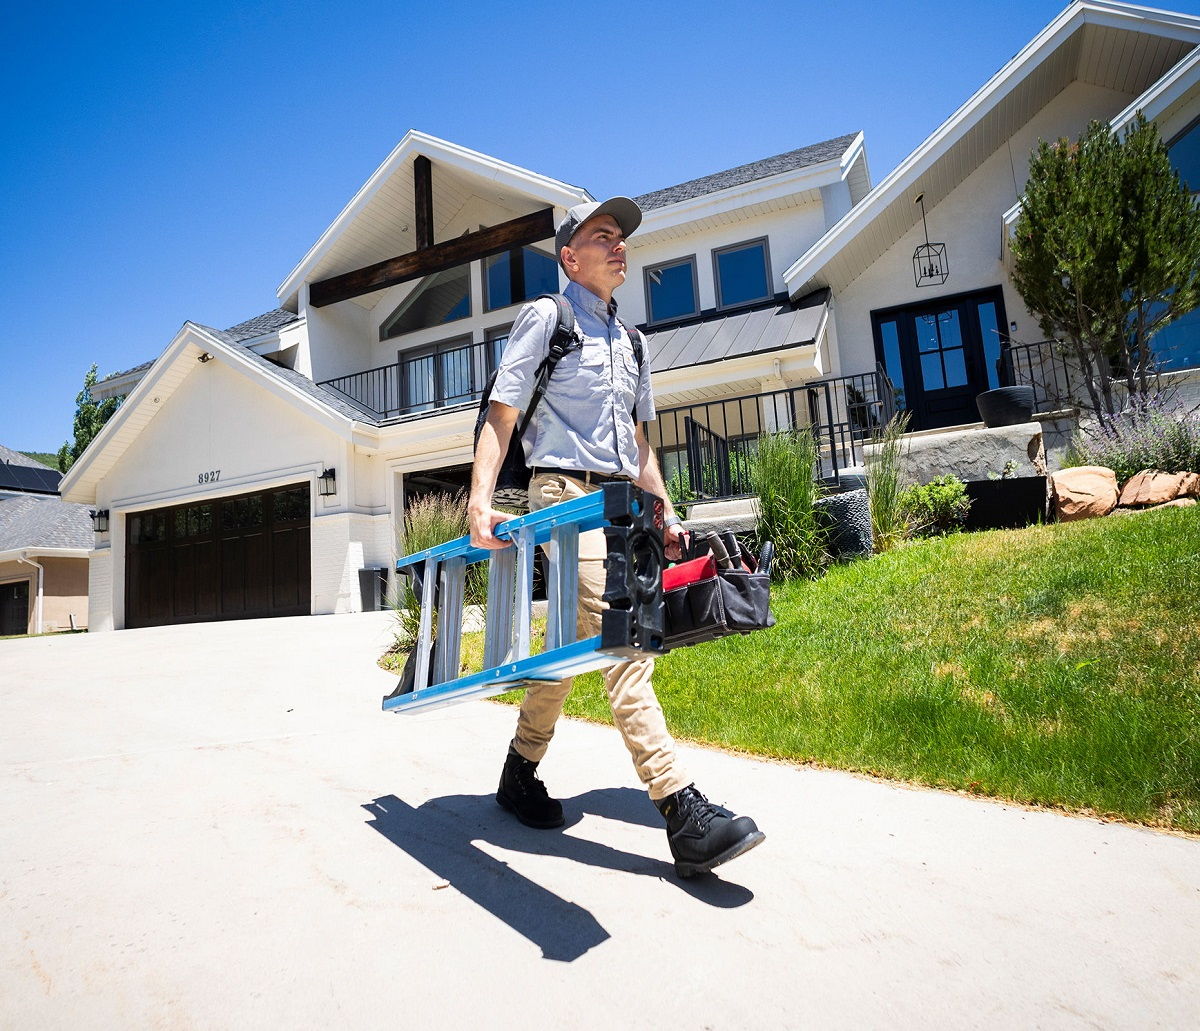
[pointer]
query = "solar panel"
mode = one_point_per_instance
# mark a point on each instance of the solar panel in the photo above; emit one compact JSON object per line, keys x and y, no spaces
{"x":29,"y":479}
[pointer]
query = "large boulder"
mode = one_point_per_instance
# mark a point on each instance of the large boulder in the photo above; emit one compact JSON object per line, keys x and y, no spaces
{"x":973,"y":453}
{"x":1084,"y":492}
{"x":1151,"y":487}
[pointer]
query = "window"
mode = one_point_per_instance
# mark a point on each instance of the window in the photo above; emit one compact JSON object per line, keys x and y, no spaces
{"x":517,"y":276}
{"x":1177,"y":346}
{"x":448,"y":373}
{"x":671,"y":290}
{"x":1184,"y":152}
{"x":496,"y":341}
{"x":441,"y":298}
{"x":743,"y":273}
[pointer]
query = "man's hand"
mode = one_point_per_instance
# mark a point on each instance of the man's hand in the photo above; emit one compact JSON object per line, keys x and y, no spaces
{"x":484,"y":521}
{"x":673,"y":541}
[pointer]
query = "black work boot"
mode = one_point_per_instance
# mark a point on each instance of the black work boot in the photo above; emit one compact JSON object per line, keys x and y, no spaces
{"x":703,"y":835}
{"x":522,"y":793}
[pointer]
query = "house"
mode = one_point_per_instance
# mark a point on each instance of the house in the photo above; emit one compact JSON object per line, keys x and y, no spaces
{"x":256,"y":470}
{"x":44,"y":547}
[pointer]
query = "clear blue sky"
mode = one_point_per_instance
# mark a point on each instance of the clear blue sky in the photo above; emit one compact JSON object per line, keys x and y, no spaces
{"x":170,"y":161}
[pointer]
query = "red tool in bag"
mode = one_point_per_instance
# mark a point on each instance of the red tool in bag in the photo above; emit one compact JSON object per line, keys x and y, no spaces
{"x":716,"y":591}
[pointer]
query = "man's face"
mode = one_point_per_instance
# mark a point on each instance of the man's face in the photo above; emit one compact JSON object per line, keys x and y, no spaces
{"x":595,"y":257}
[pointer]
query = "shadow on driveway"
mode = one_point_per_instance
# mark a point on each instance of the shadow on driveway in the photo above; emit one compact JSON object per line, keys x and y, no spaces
{"x":441,"y":835}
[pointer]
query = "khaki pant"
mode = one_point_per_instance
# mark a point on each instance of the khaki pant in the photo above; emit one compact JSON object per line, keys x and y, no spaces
{"x":635,"y":708}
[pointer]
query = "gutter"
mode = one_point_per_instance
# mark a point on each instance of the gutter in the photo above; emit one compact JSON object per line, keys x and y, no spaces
{"x":37,"y":621}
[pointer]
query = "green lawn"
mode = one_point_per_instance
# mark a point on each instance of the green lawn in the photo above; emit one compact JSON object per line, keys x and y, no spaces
{"x":1057,"y":665}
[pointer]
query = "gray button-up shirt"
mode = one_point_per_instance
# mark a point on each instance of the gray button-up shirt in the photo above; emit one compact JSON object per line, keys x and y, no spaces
{"x":585,"y":420}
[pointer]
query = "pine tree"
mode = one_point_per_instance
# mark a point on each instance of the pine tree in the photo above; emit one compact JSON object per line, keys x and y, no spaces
{"x":90,"y":417}
{"x":1107,"y":252}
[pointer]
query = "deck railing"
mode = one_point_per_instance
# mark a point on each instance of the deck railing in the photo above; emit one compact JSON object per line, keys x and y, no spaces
{"x":706,"y":448}
{"x":1041,"y":366}
{"x":422,"y":383}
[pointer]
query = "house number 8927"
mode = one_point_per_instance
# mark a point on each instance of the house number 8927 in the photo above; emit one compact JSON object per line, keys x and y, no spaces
{"x":209,"y":477}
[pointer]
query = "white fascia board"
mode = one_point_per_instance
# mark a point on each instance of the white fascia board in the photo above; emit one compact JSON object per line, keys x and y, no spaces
{"x":857,"y":149}
{"x":189,"y":343}
{"x":118,"y":386}
{"x":13,"y":554}
{"x":542,"y":187}
{"x":782,"y":184}
{"x":1045,"y":43}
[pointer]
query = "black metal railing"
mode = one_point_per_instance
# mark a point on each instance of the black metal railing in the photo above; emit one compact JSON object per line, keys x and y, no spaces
{"x":1041,"y":366}
{"x":707,"y":448}
{"x":424,"y":382}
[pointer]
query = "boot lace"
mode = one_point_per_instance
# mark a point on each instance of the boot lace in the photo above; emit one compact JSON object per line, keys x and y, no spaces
{"x":530,"y":783}
{"x":692,"y":803}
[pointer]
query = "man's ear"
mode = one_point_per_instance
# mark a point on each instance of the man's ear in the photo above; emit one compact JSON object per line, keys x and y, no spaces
{"x":567,"y":258}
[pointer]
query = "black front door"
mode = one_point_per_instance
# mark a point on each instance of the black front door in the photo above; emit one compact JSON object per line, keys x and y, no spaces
{"x":941,"y":354}
{"x":14,"y":608}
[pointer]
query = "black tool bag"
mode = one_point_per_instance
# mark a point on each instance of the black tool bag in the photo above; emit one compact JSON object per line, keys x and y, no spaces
{"x":716,"y":591}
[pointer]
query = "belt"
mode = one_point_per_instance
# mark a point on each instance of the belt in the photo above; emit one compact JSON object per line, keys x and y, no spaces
{"x":584,"y":476}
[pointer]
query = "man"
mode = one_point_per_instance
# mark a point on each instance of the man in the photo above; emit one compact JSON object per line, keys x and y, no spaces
{"x":582,"y":435}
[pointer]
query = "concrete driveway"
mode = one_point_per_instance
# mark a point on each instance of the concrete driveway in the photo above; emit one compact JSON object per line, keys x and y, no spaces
{"x":214,"y":826}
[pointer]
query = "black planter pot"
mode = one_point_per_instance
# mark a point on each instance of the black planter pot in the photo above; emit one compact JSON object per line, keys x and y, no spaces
{"x":1007,"y":504}
{"x":1005,"y":406}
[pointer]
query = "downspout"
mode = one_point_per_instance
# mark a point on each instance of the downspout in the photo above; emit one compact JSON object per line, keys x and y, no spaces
{"x":37,"y":619}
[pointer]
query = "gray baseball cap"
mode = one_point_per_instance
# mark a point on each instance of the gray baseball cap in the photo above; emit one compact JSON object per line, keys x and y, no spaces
{"x":625,"y":211}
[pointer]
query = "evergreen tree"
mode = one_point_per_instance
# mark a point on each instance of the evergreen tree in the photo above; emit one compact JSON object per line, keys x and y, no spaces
{"x":1107,"y":252}
{"x":90,"y":416}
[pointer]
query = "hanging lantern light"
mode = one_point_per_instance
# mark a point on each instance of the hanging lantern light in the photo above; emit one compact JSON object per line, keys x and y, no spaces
{"x":327,"y":483}
{"x":931,"y":266}
{"x":99,"y":520}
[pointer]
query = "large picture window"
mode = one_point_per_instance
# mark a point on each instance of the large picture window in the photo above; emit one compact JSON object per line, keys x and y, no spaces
{"x":743,"y":273}
{"x":671,"y":290}
{"x":517,"y":276}
{"x":441,"y":298}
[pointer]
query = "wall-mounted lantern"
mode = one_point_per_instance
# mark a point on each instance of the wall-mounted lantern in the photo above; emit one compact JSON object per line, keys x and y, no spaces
{"x":327,"y":483}
{"x":99,"y":520}
{"x":931,"y":266}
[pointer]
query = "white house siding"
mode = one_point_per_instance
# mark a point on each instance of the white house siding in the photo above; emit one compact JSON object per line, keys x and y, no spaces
{"x":789,"y":233}
{"x":100,"y":590}
{"x":968,"y":221}
{"x":342,"y":544}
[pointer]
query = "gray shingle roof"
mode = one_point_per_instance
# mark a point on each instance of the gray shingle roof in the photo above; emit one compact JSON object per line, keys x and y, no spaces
{"x":263,"y":324}
{"x":10,"y":457}
{"x":258,"y":326}
{"x":793,"y":159}
{"x":296,"y":379}
{"x":44,"y":522}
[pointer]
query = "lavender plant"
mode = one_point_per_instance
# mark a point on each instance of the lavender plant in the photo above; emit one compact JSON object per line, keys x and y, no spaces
{"x":1150,"y":433}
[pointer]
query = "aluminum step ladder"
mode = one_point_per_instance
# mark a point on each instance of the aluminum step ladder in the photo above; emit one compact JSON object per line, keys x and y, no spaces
{"x":631,"y":625}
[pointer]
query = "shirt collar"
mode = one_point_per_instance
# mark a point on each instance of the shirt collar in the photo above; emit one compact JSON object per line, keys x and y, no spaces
{"x":584,"y":297}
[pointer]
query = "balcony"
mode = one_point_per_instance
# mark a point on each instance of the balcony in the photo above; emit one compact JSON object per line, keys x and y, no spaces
{"x":423,"y":383}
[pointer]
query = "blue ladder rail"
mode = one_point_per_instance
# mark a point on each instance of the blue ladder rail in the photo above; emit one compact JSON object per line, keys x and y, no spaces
{"x":631,"y":625}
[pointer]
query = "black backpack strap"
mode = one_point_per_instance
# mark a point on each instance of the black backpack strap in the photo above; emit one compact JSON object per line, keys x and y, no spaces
{"x":563,"y":339}
{"x":635,"y":338}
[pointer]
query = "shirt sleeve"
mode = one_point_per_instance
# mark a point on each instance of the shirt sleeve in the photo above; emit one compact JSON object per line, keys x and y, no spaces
{"x":528,"y":343}
{"x":645,"y":395}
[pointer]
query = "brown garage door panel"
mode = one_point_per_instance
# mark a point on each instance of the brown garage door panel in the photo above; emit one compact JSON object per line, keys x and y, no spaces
{"x":234,"y":558}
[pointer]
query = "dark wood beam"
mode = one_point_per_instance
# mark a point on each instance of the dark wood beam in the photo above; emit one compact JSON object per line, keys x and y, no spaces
{"x":423,"y":185}
{"x":517,"y":232}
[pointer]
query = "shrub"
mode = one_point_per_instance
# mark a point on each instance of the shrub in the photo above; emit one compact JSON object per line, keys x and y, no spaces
{"x":1149,"y":433}
{"x":888,"y":521}
{"x":429,"y":521}
{"x":936,"y":507}
{"x":783,"y":473}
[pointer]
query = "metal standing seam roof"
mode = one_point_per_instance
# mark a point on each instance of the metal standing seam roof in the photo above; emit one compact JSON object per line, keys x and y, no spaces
{"x":732,"y":336}
{"x":43,"y":522}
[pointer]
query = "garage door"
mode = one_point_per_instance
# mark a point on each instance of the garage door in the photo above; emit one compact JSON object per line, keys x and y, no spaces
{"x":230,"y":558}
